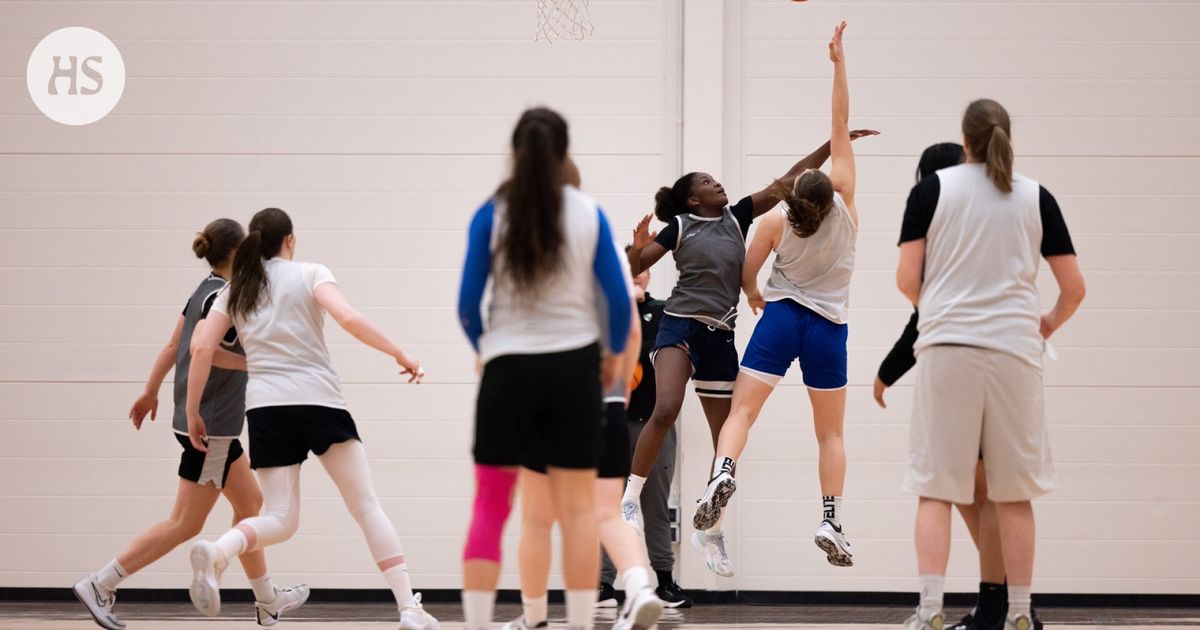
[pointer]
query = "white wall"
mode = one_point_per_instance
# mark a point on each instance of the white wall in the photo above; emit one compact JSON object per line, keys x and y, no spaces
{"x":381,"y":126}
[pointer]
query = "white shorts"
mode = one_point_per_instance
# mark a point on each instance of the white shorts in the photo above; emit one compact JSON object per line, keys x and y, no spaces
{"x":971,"y":403}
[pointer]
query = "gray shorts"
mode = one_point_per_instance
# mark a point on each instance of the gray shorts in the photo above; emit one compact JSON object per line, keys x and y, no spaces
{"x":970,"y":403}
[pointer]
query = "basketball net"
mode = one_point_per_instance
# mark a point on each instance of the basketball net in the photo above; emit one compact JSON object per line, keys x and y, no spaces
{"x":562,"y":19}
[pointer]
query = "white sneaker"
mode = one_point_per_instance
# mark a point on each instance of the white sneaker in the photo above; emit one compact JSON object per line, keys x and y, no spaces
{"x":519,"y":624}
{"x":631,"y":513}
{"x":207,"y":568}
{"x":832,"y":541}
{"x":917,"y":622}
{"x":641,"y":612}
{"x":1020,"y":622}
{"x":716,"y":497}
{"x":713,"y":548}
{"x":99,"y":601}
{"x":415,"y":618}
{"x":286,"y":600}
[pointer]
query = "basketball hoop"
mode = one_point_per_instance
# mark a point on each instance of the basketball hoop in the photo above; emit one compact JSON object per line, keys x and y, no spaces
{"x":562,"y":19}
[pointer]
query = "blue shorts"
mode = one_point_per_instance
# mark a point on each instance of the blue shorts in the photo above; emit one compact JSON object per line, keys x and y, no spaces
{"x":714,"y":359}
{"x":789,"y":331}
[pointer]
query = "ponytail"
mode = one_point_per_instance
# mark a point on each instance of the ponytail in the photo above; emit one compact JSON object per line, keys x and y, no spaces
{"x":672,"y":202}
{"x":532,"y":238}
{"x":988,"y":132}
{"x":1000,"y":159}
{"x":248,"y":288}
{"x":808,"y":201}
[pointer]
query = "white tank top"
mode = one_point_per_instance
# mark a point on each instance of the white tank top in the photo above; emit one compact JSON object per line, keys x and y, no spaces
{"x":815,"y":271}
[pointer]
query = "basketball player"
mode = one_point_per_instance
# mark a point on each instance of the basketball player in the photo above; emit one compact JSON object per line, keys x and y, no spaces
{"x":294,"y":405}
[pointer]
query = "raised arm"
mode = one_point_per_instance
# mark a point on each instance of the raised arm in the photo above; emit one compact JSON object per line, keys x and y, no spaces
{"x":645,"y":251}
{"x":766,"y":239}
{"x":329,"y":295}
{"x":841,"y":173}
{"x":148,"y":401}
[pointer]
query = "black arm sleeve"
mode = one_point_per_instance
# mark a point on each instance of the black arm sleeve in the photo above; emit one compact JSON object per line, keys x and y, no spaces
{"x":743,"y":211}
{"x":1056,"y":240}
{"x":918,"y":214}
{"x":901,"y":359}
{"x":668,"y":237}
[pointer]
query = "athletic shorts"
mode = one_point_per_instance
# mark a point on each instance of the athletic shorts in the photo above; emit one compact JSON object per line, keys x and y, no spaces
{"x":211,"y":467}
{"x":615,"y":459}
{"x":539,"y":410}
{"x":714,"y":358}
{"x":969,"y":401}
{"x":283,"y":435}
{"x":789,"y":332}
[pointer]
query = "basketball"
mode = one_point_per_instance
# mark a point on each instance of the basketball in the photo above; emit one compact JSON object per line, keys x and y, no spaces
{"x":636,"y":379}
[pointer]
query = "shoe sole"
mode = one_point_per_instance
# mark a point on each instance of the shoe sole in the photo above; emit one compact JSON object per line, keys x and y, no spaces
{"x":648,"y":614}
{"x":667,"y":604}
{"x":699,"y":546}
{"x":833,"y":553}
{"x":709,"y":512}
{"x":606,"y":603}
{"x":204,"y":592}
{"x":83,"y":599}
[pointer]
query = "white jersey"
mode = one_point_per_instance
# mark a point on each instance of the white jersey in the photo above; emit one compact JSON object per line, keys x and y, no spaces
{"x":815,"y":271}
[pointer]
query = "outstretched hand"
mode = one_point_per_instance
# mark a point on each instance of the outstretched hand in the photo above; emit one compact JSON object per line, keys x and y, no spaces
{"x":836,"y":54}
{"x":642,"y":236}
{"x":855,"y":134}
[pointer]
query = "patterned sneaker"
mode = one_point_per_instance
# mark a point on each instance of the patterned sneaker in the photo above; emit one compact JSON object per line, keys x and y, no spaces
{"x":641,"y":611}
{"x":917,"y":622}
{"x":519,"y":624}
{"x":207,"y":568}
{"x":713,"y":548}
{"x":99,"y":602}
{"x":716,"y":497}
{"x":673,"y":596}
{"x":832,"y":541}
{"x":607,"y":597}
{"x":286,"y":600}
{"x":1019,"y":622}
{"x":414,"y":617}
{"x":631,"y":513}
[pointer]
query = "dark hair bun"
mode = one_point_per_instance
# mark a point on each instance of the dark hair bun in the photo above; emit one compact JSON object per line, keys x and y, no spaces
{"x":201,"y":245}
{"x":664,"y":205}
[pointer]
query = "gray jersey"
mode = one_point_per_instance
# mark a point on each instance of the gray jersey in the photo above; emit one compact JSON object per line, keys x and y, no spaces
{"x":223,"y":406}
{"x":709,"y":253}
{"x":815,"y":271}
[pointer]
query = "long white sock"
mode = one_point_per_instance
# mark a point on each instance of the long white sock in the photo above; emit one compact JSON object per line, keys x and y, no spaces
{"x":831,"y":507}
{"x":633,"y":489}
{"x":477,"y":606}
{"x":581,"y":609}
{"x":232,"y":544}
{"x":111,"y":575}
{"x":1019,"y":600}
{"x":264,"y":591}
{"x":534,"y":609}
{"x":635,"y":579}
{"x":932,"y":589}
{"x":398,"y":580}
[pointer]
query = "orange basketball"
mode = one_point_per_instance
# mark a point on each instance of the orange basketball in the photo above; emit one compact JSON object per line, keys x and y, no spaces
{"x":637,"y":377}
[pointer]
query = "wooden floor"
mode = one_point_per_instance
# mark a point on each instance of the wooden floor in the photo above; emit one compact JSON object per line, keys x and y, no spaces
{"x":327,"y":616}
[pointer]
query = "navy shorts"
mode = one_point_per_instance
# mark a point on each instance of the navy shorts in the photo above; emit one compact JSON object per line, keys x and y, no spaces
{"x":714,"y":358}
{"x":789,"y":331}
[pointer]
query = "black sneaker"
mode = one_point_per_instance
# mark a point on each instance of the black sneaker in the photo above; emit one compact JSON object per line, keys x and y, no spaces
{"x":673,"y":596}
{"x":969,"y":622}
{"x":607,"y":597}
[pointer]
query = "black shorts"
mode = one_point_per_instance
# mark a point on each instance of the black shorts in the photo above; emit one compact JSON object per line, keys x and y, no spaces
{"x":539,"y":410}
{"x":283,"y":435}
{"x":616,"y":460}
{"x":211,"y":467}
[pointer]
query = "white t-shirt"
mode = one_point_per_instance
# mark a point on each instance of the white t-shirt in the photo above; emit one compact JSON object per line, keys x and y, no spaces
{"x":286,"y":357}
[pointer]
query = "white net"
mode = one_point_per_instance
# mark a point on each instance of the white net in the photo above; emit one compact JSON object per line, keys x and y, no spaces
{"x":562,"y":19}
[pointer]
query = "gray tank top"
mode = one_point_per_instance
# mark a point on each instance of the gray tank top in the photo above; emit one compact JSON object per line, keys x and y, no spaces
{"x":709,"y":253}
{"x":815,"y":271}
{"x":223,"y":406}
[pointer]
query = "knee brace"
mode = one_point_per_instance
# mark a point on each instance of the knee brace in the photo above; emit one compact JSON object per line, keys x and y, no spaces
{"x":493,"y":503}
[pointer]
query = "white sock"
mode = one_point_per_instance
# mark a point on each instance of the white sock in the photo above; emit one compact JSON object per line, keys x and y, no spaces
{"x":398,"y":580}
{"x":832,"y":506}
{"x":264,"y":591}
{"x":635,"y":579}
{"x":1019,"y":600}
{"x":581,"y":609}
{"x":231,"y":544}
{"x":932,"y":589}
{"x":111,"y":575}
{"x":477,"y":606}
{"x":722,"y":464}
{"x":534,"y":609}
{"x":633,"y":489}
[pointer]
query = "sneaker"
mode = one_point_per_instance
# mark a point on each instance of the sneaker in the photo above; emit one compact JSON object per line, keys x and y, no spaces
{"x":716,"y":497}
{"x":713,"y":548}
{"x":1020,"y":622}
{"x":973,"y":622}
{"x":641,"y":611}
{"x":631,"y":513}
{"x":206,"y":578}
{"x":607,"y":598}
{"x":519,"y":624}
{"x":286,"y":600}
{"x":833,"y":542}
{"x":916,"y":622}
{"x":673,"y":596}
{"x":414,"y":617}
{"x":99,"y":602}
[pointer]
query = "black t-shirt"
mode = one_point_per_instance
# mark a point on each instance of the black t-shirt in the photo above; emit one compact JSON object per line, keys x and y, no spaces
{"x":743,"y":211}
{"x":923,"y":199}
{"x":641,"y":400}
